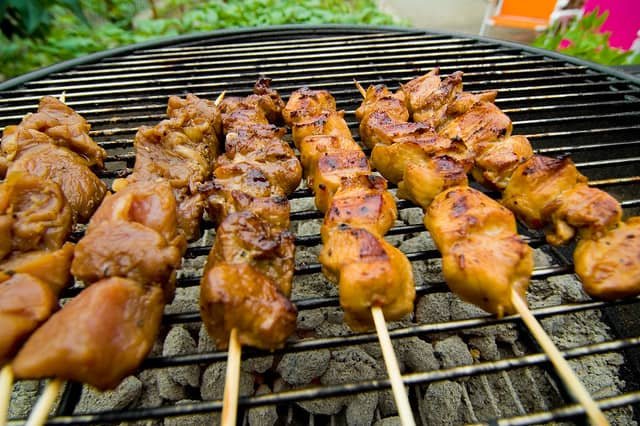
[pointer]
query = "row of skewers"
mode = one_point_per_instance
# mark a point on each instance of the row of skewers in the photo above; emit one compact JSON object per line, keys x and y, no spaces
{"x":180,"y":171}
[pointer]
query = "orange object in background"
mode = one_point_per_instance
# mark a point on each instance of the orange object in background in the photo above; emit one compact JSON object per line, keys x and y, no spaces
{"x":530,"y":15}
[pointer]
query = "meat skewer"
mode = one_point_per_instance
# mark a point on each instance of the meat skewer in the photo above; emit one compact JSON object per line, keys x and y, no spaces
{"x":390,"y":126}
{"x":374,"y":278}
{"x":249,"y":271}
{"x":126,"y":288}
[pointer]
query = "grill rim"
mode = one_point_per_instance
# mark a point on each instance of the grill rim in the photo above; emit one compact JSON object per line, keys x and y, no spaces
{"x":233,"y":33}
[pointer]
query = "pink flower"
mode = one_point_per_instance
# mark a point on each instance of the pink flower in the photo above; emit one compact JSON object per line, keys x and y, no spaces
{"x":565,"y":43}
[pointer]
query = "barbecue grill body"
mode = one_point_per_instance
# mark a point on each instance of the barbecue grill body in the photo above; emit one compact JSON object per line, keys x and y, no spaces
{"x":563,"y":105}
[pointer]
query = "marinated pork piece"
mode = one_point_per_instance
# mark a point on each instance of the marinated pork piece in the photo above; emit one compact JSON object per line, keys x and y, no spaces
{"x":25,"y":303}
{"x":472,"y":231}
{"x":34,"y":214}
{"x":536,"y":183}
{"x":50,"y":266}
{"x":423,"y":181}
{"x":238,"y":296}
{"x":151,"y":204}
{"x":305,"y":104}
{"x":199,"y":120}
{"x":496,"y":161}
{"x":429,"y":96}
{"x":484,"y":122}
{"x":117,"y":248}
{"x":81,"y":187}
{"x":362,"y":202}
{"x":464,"y":101}
{"x":67,"y":128}
{"x":369,"y":272}
{"x":328,"y":123}
{"x":312,"y":148}
{"x":379,"y":98}
{"x":16,"y":139}
{"x":98,"y":338}
{"x":588,"y":211}
{"x":609,"y":267}
{"x":244,"y":187}
{"x":245,"y":238}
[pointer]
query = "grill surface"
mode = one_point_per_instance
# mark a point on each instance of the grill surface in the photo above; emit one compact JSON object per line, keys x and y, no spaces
{"x":562,"y":105}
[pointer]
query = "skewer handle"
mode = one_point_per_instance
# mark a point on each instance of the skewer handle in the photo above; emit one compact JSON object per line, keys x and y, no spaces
{"x":397,"y":386}
{"x":231,"y":385}
{"x":6,"y":385}
{"x":575,"y":386}
{"x":40,"y":411}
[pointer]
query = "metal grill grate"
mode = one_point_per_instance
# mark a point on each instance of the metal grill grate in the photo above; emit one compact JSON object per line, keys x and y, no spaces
{"x":563,"y":106}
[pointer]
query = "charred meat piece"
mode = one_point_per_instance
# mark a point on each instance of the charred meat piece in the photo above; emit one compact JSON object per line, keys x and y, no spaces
{"x":536,"y":183}
{"x":330,"y":170}
{"x":429,"y":96}
{"x":380,"y":98}
{"x":34,"y":214}
{"x":472,"y":231}
{"x":484,"y":122}
{"x":361,"y":202}
{"x":67,"y":128}
{"x":589,"y":211}
{"x":497,"y":160}
{"x":199,"y":120}
{"x":25,"y":303}
{"x":52,"y":267}
{"x":245,"y":238}
{"x":99,"y":337}
{"x":126,"y":249}
{"x":238,"y":296}
{"x":305,"y":104}
{"x":80,"y":186}
{"x":609,"y":267}
{"x":263,"y":107}
{"x":370,"y":272}
{"x":328,"y":123}
{"x":312,"y":148}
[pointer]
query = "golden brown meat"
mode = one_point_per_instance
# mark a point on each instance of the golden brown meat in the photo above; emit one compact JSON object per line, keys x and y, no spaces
{"x":312,"y":148}
{"x":82,"y":189}
{"x":536,"y":183}
{"x":51,"y":267}
{"x":305,"y":104}
{"x":16,"y":139}
{"x":424,"y":180}
{"x":472,"y":231}
{"x":429,"y":96}
{"x":589,"y":211}
{"x":361,"y":202}
{"x":25,"y":303}
{"x":245,"y":238}
{"x":237,"y":296}
{"x":263,"y":107}
{"x":151,"y":204}
{"x":464,"y":101}
{"x":609,"y":267}
{"x":98,"y":338}
{"x":380,"y":98}
{"x":370,"y":272}
{"x":484,"y":122}
{"x":34,"y":214}
{"x":497,"y":160}
{"x":126,"y":249}
{"x":66,"y":127}
{"x":328,"y":123}
{"x":244,"y":187}
{"x":199,"y":119}
{"x":330,"y":170}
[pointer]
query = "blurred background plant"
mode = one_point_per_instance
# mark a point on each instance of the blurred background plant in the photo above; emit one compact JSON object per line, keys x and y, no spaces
{"x":37,"y":33}
{"x":583,"y":38}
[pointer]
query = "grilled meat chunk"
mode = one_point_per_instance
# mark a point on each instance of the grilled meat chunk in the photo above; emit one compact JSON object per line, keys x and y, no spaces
{"x":379,"y":98}
{"x":370,"y":272}
{"x":429,"y":96}
{"x":245,"y":238}
{"x":25,"y":303}
{"x":536,"y":183}
{"x":312,"y":148}
{"x":328,"y":123}
{"x":484,"y":122}
{"x":116,"y":248}
{"x":238,"y":296}
{"x":52,"y":267}
{"x":34,"y":214}
{"x":589,"y":211}
{"x":496,"y":161}
{"x":263,"y":107}
{"x":472,"y":231}
{"x":362,"y":202}
{"x":609,"y":267}
{"x":199,"y":120}
{"x":66,"y":127}
{"x":423,"y":181}
{"x":99,"y":337}
{"x":305,"y":104}
{"x":82,"y":189}
{"x":330,"y":170}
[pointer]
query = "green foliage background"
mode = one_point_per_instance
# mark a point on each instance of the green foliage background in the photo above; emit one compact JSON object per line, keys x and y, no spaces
{"x":37,"y":33}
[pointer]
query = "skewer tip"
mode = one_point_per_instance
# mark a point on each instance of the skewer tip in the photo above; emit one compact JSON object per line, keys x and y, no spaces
{"x":220,"y":98}
{"x":231,"y":386}
{"x":360,"y":88}
{"x":6,"y":385}
{"x":63,"y":96}
{"x":40,"y":412}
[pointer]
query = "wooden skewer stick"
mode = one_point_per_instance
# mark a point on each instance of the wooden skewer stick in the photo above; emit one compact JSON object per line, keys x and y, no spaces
{"x":40,"y":412}
{"x":63,"y":96}
{"x":6,"y":385}
{"x":397,"y":386}
{"x":575,"y":386}
{"x":360,"y":88}
{"x":231,"y":384}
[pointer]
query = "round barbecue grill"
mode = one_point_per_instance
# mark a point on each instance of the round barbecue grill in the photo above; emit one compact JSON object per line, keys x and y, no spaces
{"x":460,"y":365}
